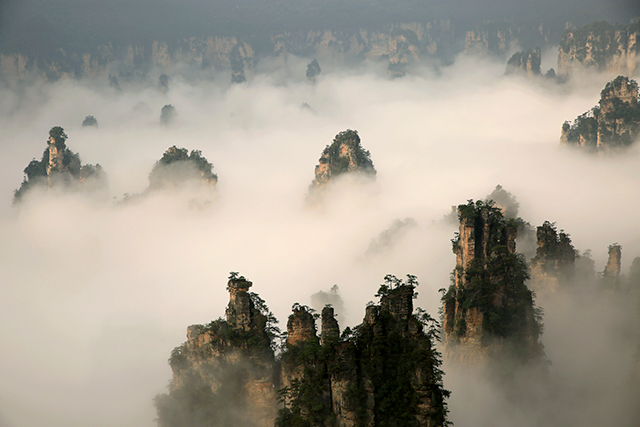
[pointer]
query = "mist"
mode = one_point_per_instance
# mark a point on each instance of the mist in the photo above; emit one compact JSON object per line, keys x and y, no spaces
{"x":97,"y":293}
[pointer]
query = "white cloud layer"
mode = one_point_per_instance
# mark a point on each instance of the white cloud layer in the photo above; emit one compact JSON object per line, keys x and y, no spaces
{"x":95,"y":295}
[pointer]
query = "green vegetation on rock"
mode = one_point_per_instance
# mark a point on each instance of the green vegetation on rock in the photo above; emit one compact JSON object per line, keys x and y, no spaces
{"x":177,"y":166}
{"x":489,"y":287}
{"x":59,"y":167}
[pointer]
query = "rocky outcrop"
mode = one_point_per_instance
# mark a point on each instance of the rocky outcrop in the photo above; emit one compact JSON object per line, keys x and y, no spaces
{"x":611,"y":273}
{"x":178,"y":168}
{"x":401,"y":44}
{"x":224,"y":373}
{"x":60,"y":168}
{"x":600,"y":46}
{"x":488,"y":311}
{"x":613,"y":123}
{"x":385,"y":373}
{"x":526,"y":62}
{"x":330,"y":327}
{"x":553,"y":266}
{"x":301,"y":325}
{"x":345,"y":155}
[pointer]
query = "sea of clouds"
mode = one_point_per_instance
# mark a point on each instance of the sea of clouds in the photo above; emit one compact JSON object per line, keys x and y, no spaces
{"x":95,"y":294}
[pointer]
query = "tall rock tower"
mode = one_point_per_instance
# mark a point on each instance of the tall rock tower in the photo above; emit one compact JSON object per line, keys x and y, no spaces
{"x":224,"y":373}
{"x":614,"y":122}
{"x":611,"y":274}
{"x":488,"y":310}
{"x":386,"y":373}
{"x":344,"y":155}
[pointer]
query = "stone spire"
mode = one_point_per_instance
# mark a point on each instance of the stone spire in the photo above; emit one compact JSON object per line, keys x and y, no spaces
{"x":611,"y":274}
{"x":330,"y":327}
{"x":301,"y":325}
{"x":240,"y":309}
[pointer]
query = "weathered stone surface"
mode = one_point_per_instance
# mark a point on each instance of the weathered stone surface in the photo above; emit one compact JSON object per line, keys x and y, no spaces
{"x":488,"y":310}
{"x":601,"y":46}
{"x":345,"y":155}
{"x":301,"y":326}
{"x":330,"y":329}
{"x":614,"y":123}
{"x":611,"y":274}
{"x":225,"y":373}
{"x":352,"y":381}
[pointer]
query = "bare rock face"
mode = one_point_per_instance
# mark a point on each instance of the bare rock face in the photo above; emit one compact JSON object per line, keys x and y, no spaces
{"x":301,"y":325}
{"x":384,"y":373}
{"x":60,"y":168}
{"x":553,"y":266}
{"x":601,"y":46}
{"x":614,"y":123}
{"x":488,"y":311}
{"x":224,"y":373}
{"x":330,"y":327}
{"x":344,"y":155}
{"x":611,"y":274}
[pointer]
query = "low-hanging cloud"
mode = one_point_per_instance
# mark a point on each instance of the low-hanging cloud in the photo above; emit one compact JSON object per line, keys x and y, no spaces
{"x":96,"y":294}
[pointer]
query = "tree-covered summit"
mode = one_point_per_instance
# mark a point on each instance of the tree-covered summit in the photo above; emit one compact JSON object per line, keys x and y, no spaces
{"x":177,"y":167}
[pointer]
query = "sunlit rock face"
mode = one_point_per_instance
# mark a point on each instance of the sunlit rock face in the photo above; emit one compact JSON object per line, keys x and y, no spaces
{"x":488,"y":311}
{"x":600,"y":46}
{"x":60,"y":169}
{"x":614,"y":123}
{"x":345,"y":155}
{"x":611,"y":274}
{"x":224,"y":373}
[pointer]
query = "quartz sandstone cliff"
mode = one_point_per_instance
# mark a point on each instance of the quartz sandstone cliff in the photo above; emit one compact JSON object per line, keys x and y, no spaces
{"x":600,"y":46}
{"x":613,"y":123}
{"x":345,"y":155}
{"x":488,"y":311}
{"x":224,"y":373}
{"x":611,"y":274}
{"x":399,"y":44}
{"x":383,"y":373}
{"x":60,"y":168}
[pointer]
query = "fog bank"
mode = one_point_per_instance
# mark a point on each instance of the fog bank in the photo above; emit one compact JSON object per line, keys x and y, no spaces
{"x":96,"y":294}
